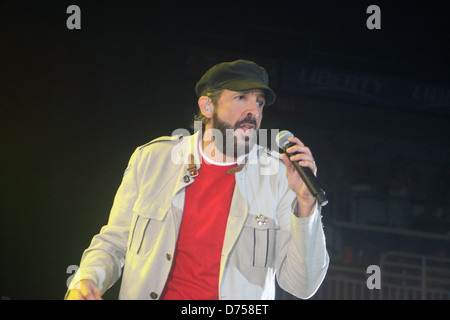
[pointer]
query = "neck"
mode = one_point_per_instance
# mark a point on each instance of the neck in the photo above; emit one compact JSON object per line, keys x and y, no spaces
{"x":210,"y":149}
{"x":213,"y":153}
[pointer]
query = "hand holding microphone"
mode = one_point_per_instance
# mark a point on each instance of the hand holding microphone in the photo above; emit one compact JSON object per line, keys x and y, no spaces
{"x":296,"y":152}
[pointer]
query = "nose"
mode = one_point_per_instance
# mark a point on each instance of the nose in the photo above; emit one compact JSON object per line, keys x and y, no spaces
{"x":252,"y":108}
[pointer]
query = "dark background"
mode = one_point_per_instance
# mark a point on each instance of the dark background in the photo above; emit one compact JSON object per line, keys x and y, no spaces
{"x":74,"y":104}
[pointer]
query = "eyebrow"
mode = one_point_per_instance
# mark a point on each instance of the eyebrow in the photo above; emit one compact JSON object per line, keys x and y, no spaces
{"x":260,"y":93}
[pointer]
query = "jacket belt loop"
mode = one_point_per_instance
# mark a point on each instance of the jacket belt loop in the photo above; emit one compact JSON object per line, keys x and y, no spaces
{"x":192,"y":168}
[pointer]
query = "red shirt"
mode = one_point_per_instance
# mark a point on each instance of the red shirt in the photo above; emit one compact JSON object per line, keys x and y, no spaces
{"x":196,"y":266}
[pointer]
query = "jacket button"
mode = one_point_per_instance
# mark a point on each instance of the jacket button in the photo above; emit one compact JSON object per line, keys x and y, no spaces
{"x":186,"y":178}
{"x":168,"y":256}
{"x":153,"y":295}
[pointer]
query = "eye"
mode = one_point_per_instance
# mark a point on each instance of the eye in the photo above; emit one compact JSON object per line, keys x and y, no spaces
{"x":261,"y":102}
{"x":240,"y":97}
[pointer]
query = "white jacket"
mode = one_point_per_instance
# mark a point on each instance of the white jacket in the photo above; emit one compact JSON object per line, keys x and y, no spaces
{"x":263,"y":236}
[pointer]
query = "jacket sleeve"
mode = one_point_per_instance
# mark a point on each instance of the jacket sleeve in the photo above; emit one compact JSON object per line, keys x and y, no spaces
{"x":302,"y":257}
{"x":103,"y":260}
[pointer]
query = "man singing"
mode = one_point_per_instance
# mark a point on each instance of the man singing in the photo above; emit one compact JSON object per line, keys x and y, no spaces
{"x":201,"y":217}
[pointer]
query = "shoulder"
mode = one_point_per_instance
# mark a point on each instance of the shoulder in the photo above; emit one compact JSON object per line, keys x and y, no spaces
{"x":164,"y":140}
{"x":162,"y":147}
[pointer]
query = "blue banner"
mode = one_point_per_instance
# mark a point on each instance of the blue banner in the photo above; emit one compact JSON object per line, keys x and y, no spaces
{"x":365,"y":88}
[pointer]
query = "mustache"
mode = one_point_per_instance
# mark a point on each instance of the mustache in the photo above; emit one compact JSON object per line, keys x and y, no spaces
{"x":248,"y":120}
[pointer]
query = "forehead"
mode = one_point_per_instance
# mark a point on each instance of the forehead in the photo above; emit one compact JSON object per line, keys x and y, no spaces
{"x":257,"y":92}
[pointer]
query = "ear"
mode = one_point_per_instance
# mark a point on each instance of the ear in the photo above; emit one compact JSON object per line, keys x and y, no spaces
{"x":206,"y":106}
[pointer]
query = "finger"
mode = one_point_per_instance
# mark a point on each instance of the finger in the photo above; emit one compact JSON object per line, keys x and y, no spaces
{"x":289,"y":166}
{"x":305,"y":161}
{"x":75,"y":294}
{"x":309,"y":164}
{"x":298,"y":149}
{"x":296,"y":140}
{"x":302,"y":157}
{"x":286,"y":160}
{"x":97,"y":294}
{"x":87,"y":291}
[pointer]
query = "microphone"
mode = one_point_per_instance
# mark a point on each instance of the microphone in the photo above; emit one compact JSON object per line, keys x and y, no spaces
{"x":305,"y":173}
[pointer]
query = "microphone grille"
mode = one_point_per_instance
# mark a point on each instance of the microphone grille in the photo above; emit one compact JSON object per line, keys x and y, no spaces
{"x":282,"y":138}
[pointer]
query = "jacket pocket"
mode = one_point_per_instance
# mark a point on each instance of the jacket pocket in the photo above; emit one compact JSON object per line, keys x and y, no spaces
{"x":258,"y":241}
{"x":146,"y":228}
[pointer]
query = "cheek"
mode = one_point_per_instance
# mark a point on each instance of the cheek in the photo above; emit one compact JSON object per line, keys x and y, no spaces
{"x":227,"y":116}
{"x":258,"y":121}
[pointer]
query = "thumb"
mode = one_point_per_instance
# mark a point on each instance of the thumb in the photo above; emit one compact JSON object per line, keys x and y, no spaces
{"x":286,"y":161}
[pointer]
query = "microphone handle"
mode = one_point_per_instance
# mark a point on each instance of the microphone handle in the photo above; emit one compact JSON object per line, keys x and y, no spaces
{"x":310,"y":180}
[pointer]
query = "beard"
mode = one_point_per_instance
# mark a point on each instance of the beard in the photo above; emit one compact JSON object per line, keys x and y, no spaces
{"x":233,"y":144}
